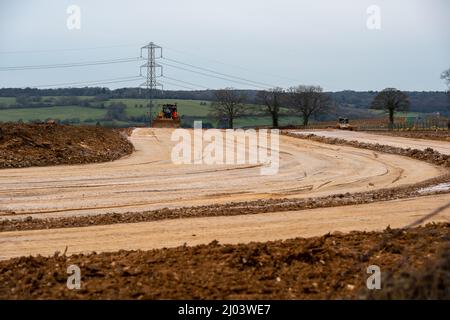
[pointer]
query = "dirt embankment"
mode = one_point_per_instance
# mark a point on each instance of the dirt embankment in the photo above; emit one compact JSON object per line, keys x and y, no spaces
{"x":230,"y":209}
{"x":429,"y":155}
{"x":26,"y":145}
{"x":332,"y":266}
{"x":443,"y":135}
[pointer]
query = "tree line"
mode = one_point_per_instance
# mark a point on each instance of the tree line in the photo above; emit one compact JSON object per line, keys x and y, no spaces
{"x":429,"y":101}
{"x":305,"y":101}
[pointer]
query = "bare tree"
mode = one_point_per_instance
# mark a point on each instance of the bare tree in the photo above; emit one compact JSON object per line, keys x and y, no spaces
{"x":446,"y":76}
{"x":391,"y":100}
{"x":272,"y":99}
{"x":228,"y":105}
{"x":308,"y":101}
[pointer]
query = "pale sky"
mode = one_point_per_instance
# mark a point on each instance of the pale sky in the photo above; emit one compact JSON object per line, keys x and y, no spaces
{"x":276,"y":42}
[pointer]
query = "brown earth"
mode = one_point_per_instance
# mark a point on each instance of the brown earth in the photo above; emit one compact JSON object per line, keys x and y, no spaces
{"x":243,"y":228}
{"x":149,"y":180}
{"x":431,"y":282}
{"x":443,"y":135}
{"x":27,"y":145}
{"x":422,"y":150}
{"x":331,"y":266}
{"x":229,"y":209}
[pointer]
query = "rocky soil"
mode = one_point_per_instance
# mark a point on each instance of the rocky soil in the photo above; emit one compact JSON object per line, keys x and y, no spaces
{"x":332,"y":266}
{"x":26,"y":145}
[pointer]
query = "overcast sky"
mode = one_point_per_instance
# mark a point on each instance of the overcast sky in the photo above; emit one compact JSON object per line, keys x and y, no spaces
{"x":276,"y":42}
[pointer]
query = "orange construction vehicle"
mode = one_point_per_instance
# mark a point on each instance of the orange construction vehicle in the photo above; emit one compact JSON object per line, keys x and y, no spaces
{"x":167,"y":117}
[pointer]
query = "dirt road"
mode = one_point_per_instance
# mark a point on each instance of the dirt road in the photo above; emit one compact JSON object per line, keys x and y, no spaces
{"x":401,"y":142}
{"x":226,"y":229}
{"x":149,"y":180}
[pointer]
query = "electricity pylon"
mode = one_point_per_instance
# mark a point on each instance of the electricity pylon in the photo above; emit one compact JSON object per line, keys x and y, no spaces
{"x":153,"y":52}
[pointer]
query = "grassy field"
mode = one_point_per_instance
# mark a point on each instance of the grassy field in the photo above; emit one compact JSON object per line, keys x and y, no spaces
{"x":62,"y":113}
{"x":190,"y":110}
{"x":193,"y":109}
{"x":7,"y":100}
{"x":185,"y":107}
{"x":267,"y":121}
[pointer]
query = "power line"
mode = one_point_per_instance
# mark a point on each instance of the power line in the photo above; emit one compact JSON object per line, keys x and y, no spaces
{"x":212,"y":76}
{"x":139,"y":44}
{"x":220,"y":73}
{"x":71,"y":64}
{"x":186,"y":82}
{"x":231,"y":65}
{"x":92,"y":82}
{"x":203,"y":71}
{"x":71,"y":49}
{"x":177,"y":85}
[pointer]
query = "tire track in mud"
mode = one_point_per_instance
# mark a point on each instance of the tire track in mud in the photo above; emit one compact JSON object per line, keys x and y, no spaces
{"x":272,"y":204}
{"x":307,"y":169}
{"x":225,"y":229}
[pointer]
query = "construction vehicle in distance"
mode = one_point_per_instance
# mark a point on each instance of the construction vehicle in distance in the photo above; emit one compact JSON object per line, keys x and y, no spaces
{"x":167,"y":117}
{"x":344,"y":124}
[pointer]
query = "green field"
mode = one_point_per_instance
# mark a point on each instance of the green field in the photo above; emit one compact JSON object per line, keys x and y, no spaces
{"x":61,"y":113}
{"x":7,"y":100}
{"x":185,"y":107}
{"x":190,"y":110}
{"x":266,"y":121}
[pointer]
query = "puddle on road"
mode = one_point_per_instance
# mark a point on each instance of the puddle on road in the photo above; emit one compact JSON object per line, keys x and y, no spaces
{"x":439,"y":187}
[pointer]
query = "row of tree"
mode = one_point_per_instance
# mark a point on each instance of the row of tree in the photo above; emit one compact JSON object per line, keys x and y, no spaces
{"x":446,"y":77}
{"x":426,"y":101}
{"x":304,"y":100}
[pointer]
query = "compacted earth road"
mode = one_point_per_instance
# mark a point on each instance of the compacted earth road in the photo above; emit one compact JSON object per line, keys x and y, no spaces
{"x":394,"y":141}
{"x":148,"y":180}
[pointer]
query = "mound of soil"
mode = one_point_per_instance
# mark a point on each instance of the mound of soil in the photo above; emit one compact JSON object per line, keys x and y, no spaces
{"x":26,"y":145}
{"x":332,"y":266}
{"x":432,"y":282}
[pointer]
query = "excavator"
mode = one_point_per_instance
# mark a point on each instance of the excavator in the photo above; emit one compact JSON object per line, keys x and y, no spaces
{"x":343,"y":124}
{"x":167,"y":117}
